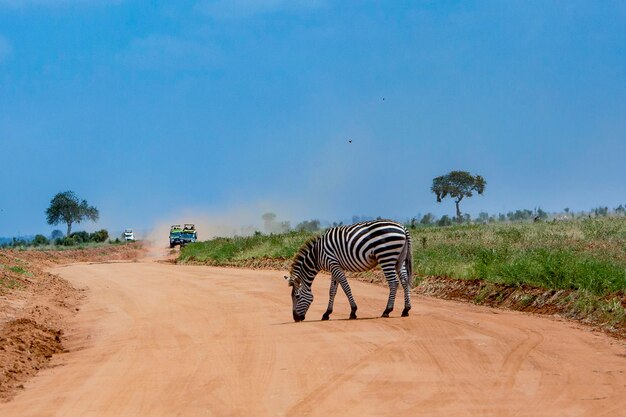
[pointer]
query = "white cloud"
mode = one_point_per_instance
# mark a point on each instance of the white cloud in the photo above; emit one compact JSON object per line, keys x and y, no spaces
{"x":236,"y":9}
{"x":5,"y":49}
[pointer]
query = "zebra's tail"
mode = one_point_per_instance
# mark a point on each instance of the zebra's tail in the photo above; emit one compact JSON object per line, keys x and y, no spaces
{"x":406,"y":259}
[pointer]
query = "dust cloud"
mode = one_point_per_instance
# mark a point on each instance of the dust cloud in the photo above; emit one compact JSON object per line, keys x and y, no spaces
{"x":241,"y":221}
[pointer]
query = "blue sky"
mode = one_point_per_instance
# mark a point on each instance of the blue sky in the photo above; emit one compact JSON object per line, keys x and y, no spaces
{"x":150,"y":109}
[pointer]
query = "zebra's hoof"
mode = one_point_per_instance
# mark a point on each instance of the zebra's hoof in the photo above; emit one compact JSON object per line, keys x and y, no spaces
{"x":385,"y":314}
{"x":405,"y":312}
{"x":352,"y":316}
{"x":325,"y":316}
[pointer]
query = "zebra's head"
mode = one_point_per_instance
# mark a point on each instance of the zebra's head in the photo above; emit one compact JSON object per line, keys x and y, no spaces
{"x":301,"y":297}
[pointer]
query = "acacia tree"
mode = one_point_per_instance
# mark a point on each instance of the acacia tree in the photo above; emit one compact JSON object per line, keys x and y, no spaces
{"x":458,"y":185}
{"x":66,"y":208}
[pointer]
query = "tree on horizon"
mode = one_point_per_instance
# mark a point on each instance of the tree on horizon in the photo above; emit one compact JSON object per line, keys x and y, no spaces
{"x":67,"y":208}
{"x":458,"y":185}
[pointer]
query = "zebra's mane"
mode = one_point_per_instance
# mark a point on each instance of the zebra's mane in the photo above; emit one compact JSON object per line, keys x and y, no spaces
{"x":304,"y":250}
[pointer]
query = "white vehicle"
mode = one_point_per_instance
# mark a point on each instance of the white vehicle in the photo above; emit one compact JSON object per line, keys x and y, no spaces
{"x":129,"y":236}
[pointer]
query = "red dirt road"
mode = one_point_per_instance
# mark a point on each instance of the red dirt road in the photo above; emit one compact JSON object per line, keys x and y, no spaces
{"x":165,"y":340}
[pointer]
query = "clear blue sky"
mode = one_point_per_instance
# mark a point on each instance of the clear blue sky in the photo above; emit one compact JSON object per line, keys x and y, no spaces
{"x":148,"y":108}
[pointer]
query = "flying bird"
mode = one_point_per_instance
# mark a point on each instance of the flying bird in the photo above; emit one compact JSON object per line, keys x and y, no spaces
{"x":350,"y":141}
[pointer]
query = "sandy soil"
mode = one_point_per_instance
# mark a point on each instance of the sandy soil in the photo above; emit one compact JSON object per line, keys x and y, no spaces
{"x":35,"y":307}
{"x":154,"y":339}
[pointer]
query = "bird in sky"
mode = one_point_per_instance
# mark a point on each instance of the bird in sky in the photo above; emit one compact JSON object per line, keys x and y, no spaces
{"x":349,"y":140}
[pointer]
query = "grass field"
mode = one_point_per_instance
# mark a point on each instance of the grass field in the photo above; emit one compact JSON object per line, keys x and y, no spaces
{"x":229,"y":251}
{"x":587,"y":255}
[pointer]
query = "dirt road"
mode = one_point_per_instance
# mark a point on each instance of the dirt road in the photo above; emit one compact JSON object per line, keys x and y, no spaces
{"x":164,"y":340}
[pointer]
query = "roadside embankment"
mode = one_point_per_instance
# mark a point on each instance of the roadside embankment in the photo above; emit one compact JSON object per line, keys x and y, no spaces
{"x":35,"y":306}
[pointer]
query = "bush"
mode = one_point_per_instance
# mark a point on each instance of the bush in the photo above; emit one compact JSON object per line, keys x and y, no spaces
{"x":66,"y":241}
{"x":80,"y":237}
{"x":444,"y":221}
{"x":308,"y":226}
{"x":99,"y":236}
{"x":40,"y":240}
{"x":428,"y":219}
{"x":19,"y":243}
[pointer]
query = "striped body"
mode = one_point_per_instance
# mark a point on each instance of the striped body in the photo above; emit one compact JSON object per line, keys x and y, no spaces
{"x":356,"y":248}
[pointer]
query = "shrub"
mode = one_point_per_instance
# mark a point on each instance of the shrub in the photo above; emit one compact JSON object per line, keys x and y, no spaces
{"x":66,"y":241}
{"x":308,"y":226}
{"x":444,"y":221}
{"x":40,"y":240}
{"x":99,"y":236}
{"x":428,"y":219}
{"x":80,"y":237}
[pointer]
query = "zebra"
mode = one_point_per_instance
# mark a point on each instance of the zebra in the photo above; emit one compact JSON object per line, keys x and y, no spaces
{"x":356,"y":248}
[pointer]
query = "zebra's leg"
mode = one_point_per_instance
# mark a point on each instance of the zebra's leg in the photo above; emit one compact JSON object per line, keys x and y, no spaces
{"x":404,"y":279}
{"x":392,"y":280}
{"x":331,"y":298}
{"x":339,"y":276}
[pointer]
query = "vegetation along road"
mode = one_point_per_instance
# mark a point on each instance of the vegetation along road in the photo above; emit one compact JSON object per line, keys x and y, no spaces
{"x":154,"y":339}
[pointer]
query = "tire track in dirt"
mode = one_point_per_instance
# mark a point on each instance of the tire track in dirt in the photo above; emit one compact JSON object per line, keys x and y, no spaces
{"x":516,"y":357}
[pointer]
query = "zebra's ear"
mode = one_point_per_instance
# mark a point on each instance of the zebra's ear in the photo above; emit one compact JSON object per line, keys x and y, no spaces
{"x":289,"y":280}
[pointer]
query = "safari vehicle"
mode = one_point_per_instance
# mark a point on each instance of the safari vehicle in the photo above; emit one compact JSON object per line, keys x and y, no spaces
{"x":129,"y":235}
{"x":182,"y":235}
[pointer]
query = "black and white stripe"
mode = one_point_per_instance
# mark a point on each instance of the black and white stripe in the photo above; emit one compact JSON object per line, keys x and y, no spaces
{"x":357,"y":248}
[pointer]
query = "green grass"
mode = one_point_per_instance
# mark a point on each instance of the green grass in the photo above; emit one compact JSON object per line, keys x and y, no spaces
{"x":584,"y":255}
{"x":587,"y":255}
{"x":8,"y":282}
{"x":228,"y":250}
{"x":17,"y":269}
